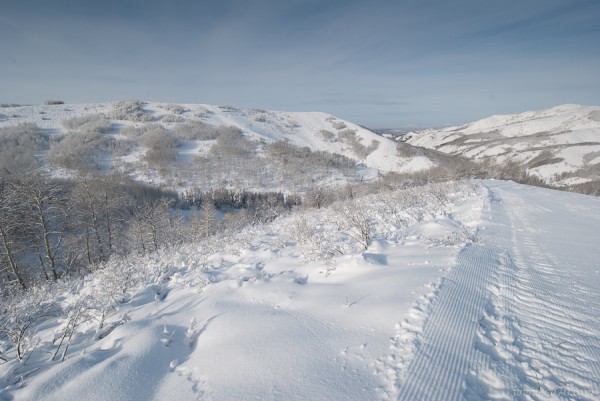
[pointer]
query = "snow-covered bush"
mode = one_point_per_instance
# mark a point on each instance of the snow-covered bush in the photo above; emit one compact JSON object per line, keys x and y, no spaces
{"x":196,"y":130}
{"x":130,"y":110}
{"x":133,"y":132}
{"x":171,"y":118}
{"x":318,"y":197}
{"x":161,"y":144}
{"x":350,"y":225}
{"x":202,"y":113}
{"x":327,"y":135}
{"x":19,"y":145}
{"x":354,"y":218}
{"x":80,"y":150}
{"x":88,"y":124}
{"x":176,"y":109}
{"x":19,"y":316}
{"x":338,"y":125}
{"x":157,"y":137}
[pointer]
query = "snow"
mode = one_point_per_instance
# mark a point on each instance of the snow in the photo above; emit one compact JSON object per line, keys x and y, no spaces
{"x":486,"y":292}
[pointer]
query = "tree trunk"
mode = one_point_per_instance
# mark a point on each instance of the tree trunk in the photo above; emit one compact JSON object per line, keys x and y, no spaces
{"x":11,"y":259}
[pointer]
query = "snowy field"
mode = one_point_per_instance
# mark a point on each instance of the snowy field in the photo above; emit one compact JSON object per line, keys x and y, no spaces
{"x":464,"y":292}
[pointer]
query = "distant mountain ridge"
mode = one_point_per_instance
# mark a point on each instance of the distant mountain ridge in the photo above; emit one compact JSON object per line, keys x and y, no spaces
{"x":561,"y":145}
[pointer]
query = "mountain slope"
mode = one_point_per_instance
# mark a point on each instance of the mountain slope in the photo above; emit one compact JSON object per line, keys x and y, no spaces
{"x":560,"y":145}
{"x":316,"y":131}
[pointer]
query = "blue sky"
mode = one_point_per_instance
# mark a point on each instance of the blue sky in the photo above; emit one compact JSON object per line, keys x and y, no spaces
{"x":378,"y":63}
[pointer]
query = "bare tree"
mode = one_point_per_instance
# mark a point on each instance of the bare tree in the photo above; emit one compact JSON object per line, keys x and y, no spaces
{"x":150,"y":224}
{"x":86,"y":205}
{"x":317,"y":197}
{"x":206,"y":223}
{"x":355,"y":221}
{"x":10,"y":246}
{"x":42,"y":205}
{"x":20,"y":315}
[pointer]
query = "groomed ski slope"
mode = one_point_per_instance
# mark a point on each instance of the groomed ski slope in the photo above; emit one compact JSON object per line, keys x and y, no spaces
{"x":512,"y":314}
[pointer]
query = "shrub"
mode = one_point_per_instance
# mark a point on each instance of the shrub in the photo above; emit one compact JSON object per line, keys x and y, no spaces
{"x":53,"y":102}
{"x":161,"y":144}
{"x":327,"y":135}
{"x":91,"y":123}
{"x":202,"y":112}
{"x":338,"y":125}
{"x":157,"y":137}
{"x":80,"y":150}
{"x":196,"y":130}
{"x":18,"y":147}
{"x":131,"y":132}
{"x":176,"y":109}
{"x":170,"y":118}
{"x":130,"y":110}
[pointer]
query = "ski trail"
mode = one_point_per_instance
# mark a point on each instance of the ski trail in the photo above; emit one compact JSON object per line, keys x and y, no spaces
{"x":406,"y":342}
{"x":550,"y":348}
{"x":512,"y":320}
{"x":446,"y":345}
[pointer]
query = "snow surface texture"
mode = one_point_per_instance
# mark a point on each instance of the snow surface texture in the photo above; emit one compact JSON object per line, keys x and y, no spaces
{"x":561,"y":140}
{"x":469,"y":293}
{"x":315,"y":130}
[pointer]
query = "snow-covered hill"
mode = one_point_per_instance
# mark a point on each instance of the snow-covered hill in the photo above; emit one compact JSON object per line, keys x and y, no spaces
{"x":464,"y":293}
{"x":560,"y":145}
{"x":317,"y":131}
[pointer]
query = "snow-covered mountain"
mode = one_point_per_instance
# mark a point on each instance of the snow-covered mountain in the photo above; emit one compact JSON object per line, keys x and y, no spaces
{"x":560,"y":145}
{"x":315,"y":130}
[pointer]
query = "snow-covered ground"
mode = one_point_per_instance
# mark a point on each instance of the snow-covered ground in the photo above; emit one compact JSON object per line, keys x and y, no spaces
{"x":562,"y":139}
{"x":465,"y":292}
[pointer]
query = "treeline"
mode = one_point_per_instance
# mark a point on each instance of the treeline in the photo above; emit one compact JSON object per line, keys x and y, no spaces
{"x":227,"y":199}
